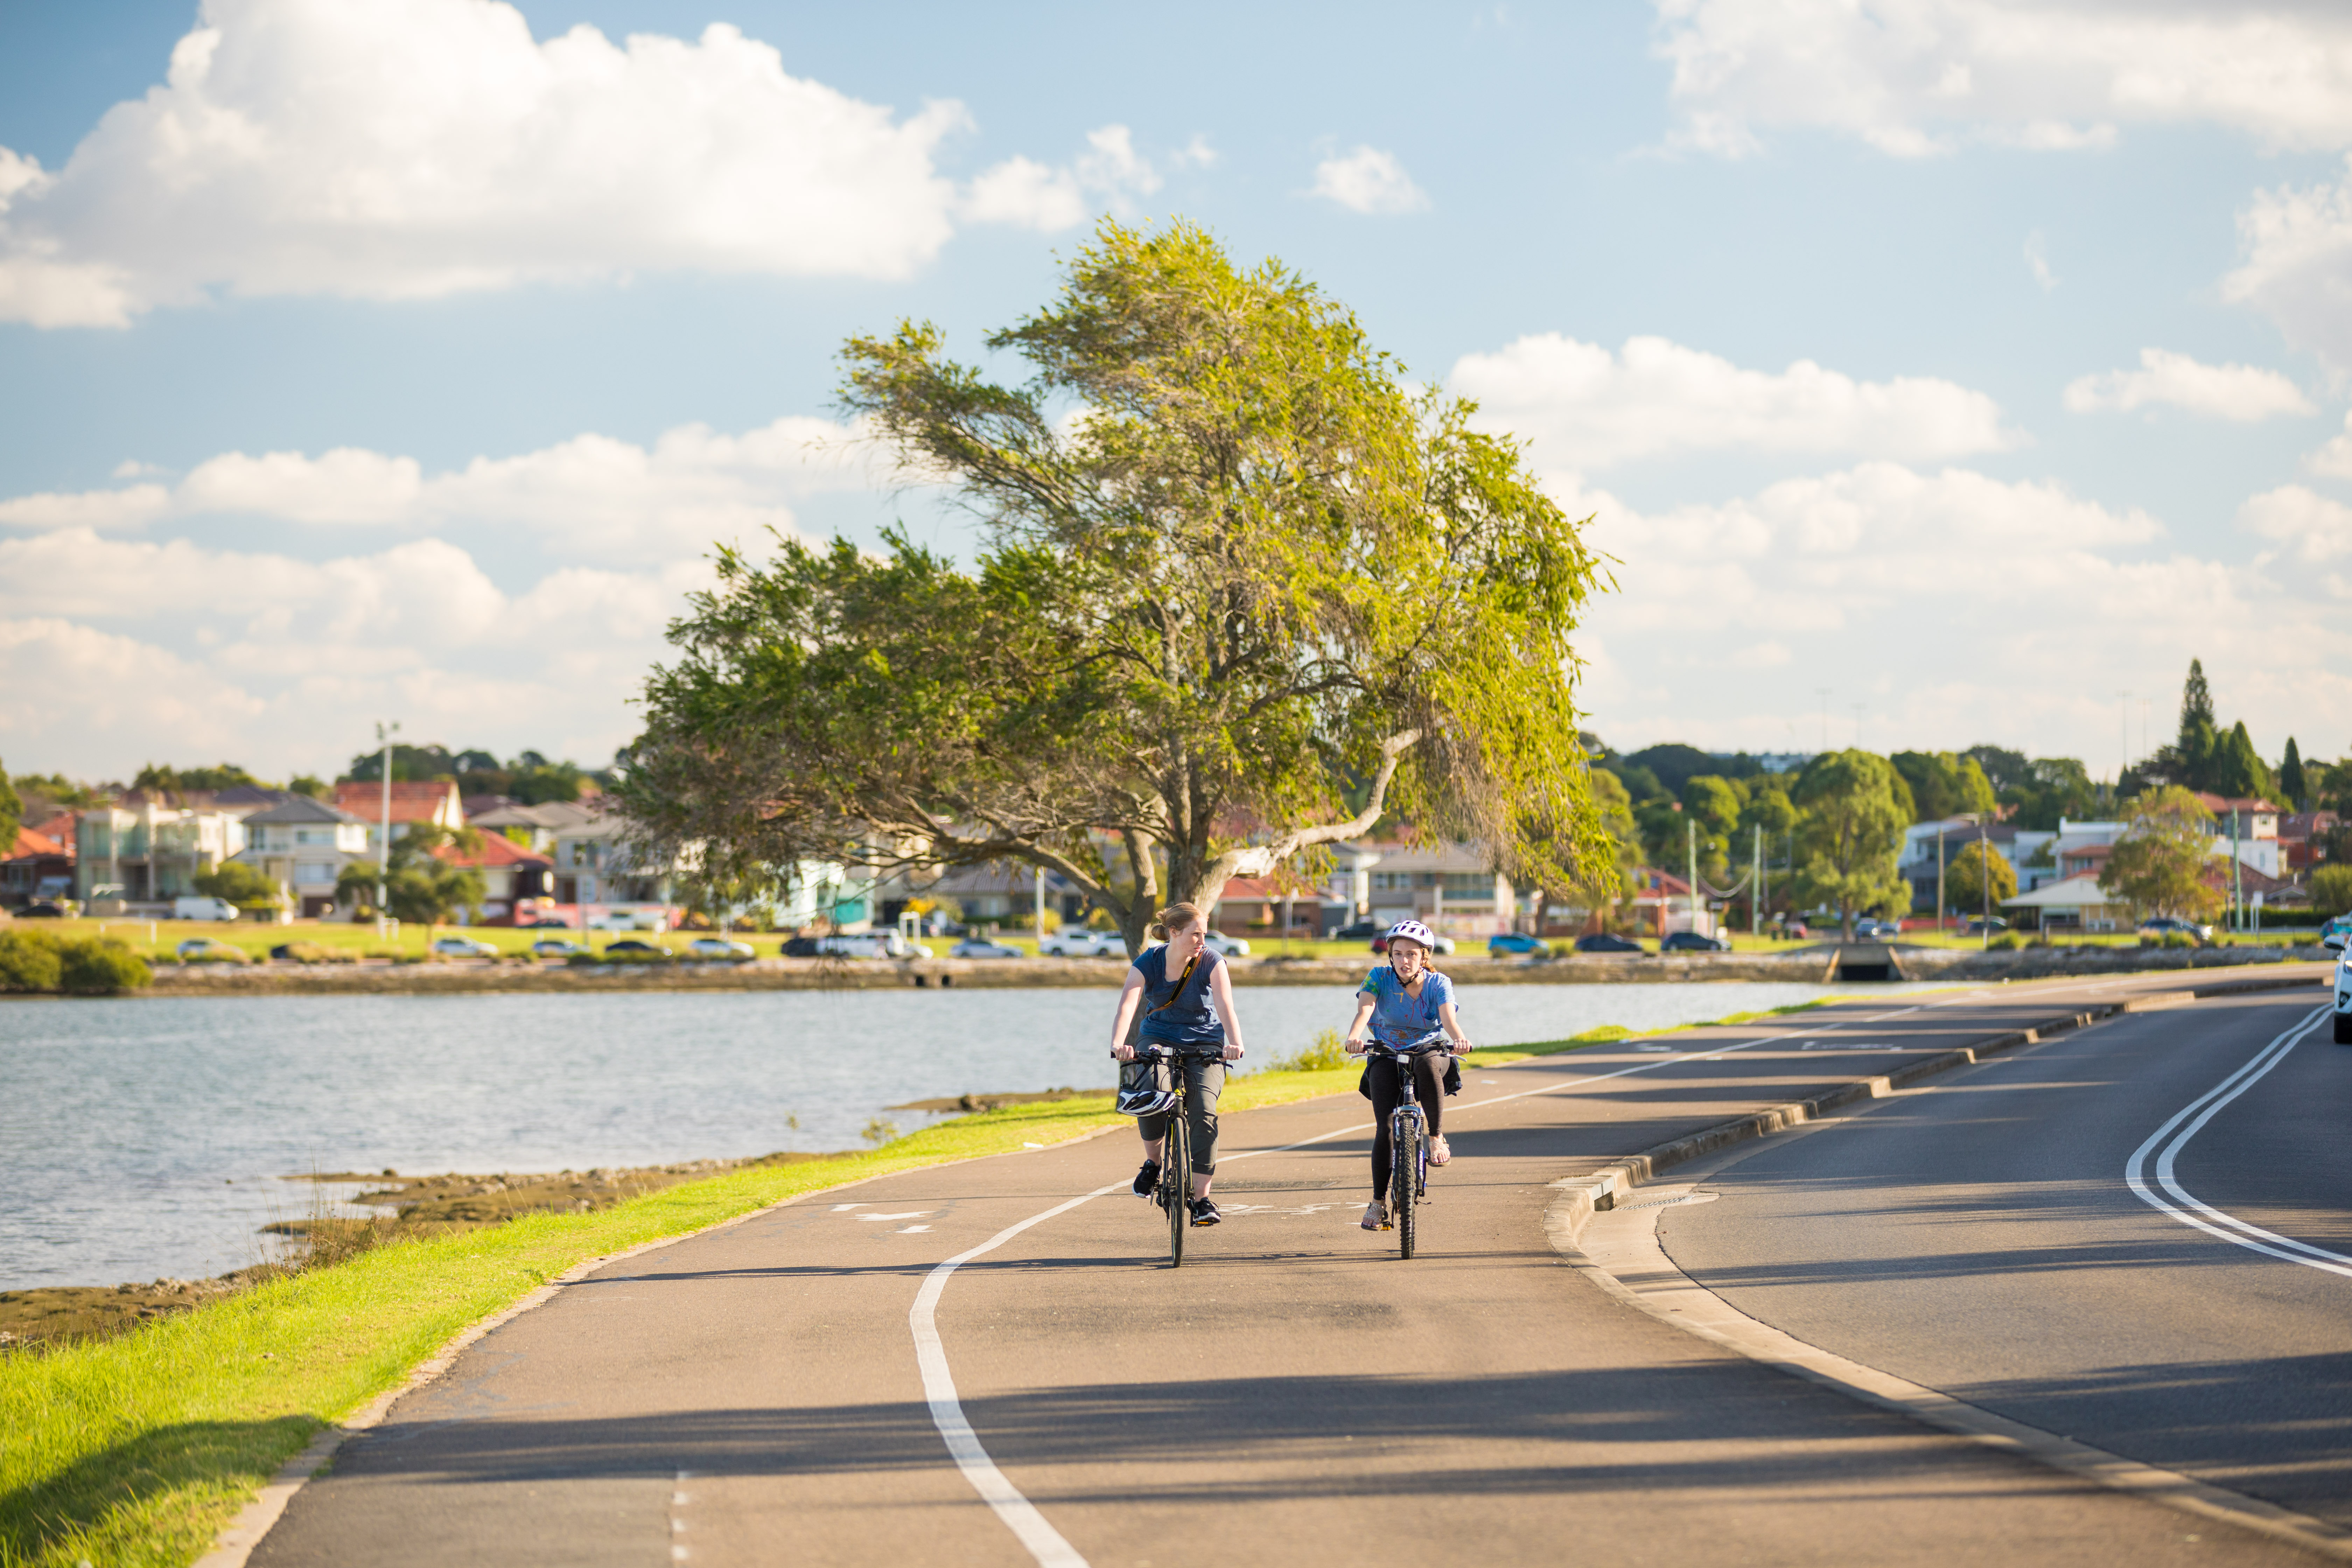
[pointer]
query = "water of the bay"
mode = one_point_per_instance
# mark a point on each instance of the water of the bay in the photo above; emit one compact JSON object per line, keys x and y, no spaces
{"x":143,"y":1138}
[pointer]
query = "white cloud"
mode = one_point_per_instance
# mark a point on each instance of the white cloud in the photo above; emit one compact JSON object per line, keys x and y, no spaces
{"x":2240,"y":393}
{"x":591,"y":496}
{"x":115,"y":650}
{"x":1024,"y":192}
{"x":1918,"y":76}
{"x":2037,"y":261}
{"x":1368,"y":181}
{"x":1953,"y":606}
{"x":412,"y":149}
{"x":2298,"y":265}
{"x":2333,"y":459}
{"x":2307,"y":525}
{"x":1586,"y":407}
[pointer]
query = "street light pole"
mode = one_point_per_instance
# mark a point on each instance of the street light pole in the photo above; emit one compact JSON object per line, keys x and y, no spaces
{"x":1941,"y":908}
{"x":2237,"y":881}
{"x":1690,"y":827}
{"x":384,"y":734}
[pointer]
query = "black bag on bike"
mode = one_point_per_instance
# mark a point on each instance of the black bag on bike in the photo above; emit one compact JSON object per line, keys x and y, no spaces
{"x":1453,"y":1078}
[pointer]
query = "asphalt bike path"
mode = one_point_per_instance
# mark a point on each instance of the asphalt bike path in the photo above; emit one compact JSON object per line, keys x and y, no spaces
{"x":2061,"y":1236}
{"x":1295,"y":1392}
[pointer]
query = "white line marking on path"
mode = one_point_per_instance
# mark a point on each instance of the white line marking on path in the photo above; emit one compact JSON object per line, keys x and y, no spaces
{"x":1018,"y":1514}
{"x":2213,"y":1222}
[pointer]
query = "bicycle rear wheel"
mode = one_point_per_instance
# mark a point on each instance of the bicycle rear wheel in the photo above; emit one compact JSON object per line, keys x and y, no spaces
{"x":1176,"y":1179}
{"x":1404,"y":1142}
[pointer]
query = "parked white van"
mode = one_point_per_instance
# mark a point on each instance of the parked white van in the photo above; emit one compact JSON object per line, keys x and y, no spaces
{"x":198,"y":907}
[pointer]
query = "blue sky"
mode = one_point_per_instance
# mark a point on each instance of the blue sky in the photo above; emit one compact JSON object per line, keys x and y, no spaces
{"x":1979,"y":362}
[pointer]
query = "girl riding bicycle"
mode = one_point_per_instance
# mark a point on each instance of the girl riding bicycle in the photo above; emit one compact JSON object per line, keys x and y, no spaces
{"x":1406,"y":1003}
{"x":1187,"y":997}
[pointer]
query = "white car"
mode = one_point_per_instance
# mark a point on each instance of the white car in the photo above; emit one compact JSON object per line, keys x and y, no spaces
{"x":1225,"y":946}
{"x":464,"y":947}
{"x":981,"y":947}
{"x":554,"y":947}
{"x":717,"y":947}
{"x":2336,"y":938}
{"x":1077,"y":942}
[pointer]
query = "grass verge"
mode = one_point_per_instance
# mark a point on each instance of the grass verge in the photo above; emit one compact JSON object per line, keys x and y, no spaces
{"x":136,"y":1450}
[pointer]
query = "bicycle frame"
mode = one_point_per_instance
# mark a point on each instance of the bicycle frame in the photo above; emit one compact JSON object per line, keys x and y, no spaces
{"x":1175,"y":1192}
{"x":1408,"y":1144}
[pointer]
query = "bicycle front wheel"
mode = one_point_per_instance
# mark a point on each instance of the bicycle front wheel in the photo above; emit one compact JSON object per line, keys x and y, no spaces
{"x":1176,"y":1176}
{"x":1404,"y":1142}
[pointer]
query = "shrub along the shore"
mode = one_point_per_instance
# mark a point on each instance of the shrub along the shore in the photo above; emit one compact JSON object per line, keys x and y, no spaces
{"x":138,"y":1449}
{"x":81,"y":965}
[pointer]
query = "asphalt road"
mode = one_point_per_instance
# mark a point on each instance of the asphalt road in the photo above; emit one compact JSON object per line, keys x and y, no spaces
{"x":1979,"y":1236}
{"x":1295,"y":1393}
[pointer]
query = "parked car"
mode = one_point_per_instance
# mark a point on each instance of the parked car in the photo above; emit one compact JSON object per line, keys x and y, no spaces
{"x":1797,"y":930}
{"x":627,"y":920}
{"x":2334,"y":932}
{"x":1077,"y":942}
{"x":2165,"y":925}
{"x":1511,"y":942}
{"x":44,"y":911}
{"x":1358,"y":930}
{"x":718,"y":947}
{"x":463,"y":947}
{"x":1380,"y":943}
{"x":1225,"y":946}
{"x":643,"y":949}
{"x":210,"y":950}
{"x":1997,"y":925}
{"x":981,"y":947}
{"x":554,"y":947}
{"x":1867,"y":927}
{"x":1691,"y":942}
{"x":1603,"y":942}
{"x":200,"y":907}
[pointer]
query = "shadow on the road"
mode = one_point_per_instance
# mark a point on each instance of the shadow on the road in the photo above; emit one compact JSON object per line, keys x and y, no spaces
{"x":1663,"y":1429}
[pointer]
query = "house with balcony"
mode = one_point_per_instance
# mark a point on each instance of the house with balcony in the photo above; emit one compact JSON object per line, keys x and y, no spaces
{"x":597,"y":865}
{"x":302,"y":846}
{"x":510,"y":873}
{"x":534,"y":827}
{"x":149,"y":854}
{"x":38,"y":865}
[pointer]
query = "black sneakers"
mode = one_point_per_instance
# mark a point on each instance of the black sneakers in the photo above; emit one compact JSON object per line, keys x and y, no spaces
{"x":1147,"y":1180}
{"x":1206,"y":1212}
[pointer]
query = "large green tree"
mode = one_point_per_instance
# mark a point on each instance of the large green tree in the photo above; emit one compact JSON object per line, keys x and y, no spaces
{"x":2291,"y":783}
{"x":1849,"y":836}
{"x":240,"y":884}
{"x":2159,"y":865}
{"x":1964,"y":880}
{"x":421,"y":887}
{"x":1712,"y":805}
{"x":1233,"y":570}
{"x":12,"y":814}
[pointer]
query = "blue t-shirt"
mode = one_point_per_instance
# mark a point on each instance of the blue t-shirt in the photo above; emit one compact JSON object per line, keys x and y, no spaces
{"x":1400,"y":1019}
{"x":1192,"y":1020}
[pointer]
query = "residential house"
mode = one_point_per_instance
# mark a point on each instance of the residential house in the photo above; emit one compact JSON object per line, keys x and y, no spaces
{"x":1001,"y":892}
{"x":510,"y":873}
{"x":2302,"y":838}
{"x":434,"y":802}
{"x":2072,"y":904}
{"x":1453,"y":887}
{"x":1663,"y":904}
{"x":302,"y":846}
{"x":151,"y":853}
{"x":596,"y":865}
{"x":535,"y":828}
{"x":36,"y":866}
{"x":1278,"y":905}
{"x":2252,"y":825}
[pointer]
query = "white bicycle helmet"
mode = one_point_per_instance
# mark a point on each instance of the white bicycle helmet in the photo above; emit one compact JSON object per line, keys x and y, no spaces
{"x":1413,"y":931}
{"x":1145,"y":1093}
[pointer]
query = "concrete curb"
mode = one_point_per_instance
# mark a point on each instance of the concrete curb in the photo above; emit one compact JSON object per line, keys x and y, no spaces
{"x":1706,"y":1316}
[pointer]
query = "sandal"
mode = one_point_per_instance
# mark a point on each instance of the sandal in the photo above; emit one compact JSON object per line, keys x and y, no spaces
{"x":1376,"y":1216}
{"x":1439,"y":1154}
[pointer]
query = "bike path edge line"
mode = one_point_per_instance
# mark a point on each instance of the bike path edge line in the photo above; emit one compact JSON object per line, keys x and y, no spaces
{"x":1565,"y":1221}
{"x":235,"y":1544}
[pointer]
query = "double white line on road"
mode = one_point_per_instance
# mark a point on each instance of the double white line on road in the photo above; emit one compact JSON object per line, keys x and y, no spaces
{"x":2174,"y":1137}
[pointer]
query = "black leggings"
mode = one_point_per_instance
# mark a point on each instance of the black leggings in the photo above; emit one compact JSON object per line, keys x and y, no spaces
{"x":1427,"y":1092}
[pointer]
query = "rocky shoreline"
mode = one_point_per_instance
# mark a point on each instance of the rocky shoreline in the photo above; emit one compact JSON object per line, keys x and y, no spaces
{"x":1818,"y":965}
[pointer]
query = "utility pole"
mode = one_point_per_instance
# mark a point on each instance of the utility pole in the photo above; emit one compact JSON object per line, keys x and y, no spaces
{"x":1041,"y":907}
{"x":384,"y":734}
{"x":1690,"y":829}
{"x":1756,"y":884}
{"x":2237,"y":882}
{"x":1941,"y":908}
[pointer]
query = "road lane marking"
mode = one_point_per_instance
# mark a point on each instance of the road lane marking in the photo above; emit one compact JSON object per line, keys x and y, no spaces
{"x":1019,"y":1515}
{"x":2203,"y":1108}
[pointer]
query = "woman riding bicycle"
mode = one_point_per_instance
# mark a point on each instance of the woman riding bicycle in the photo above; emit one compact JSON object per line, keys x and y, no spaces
{"x":1406,"y":1003}
{"x":1187,"y":997}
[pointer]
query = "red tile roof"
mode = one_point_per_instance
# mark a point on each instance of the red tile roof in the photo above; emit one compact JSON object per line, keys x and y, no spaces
{"x":421,"y":802}
{"x":29,"y":843}
{"x":496,"y":850}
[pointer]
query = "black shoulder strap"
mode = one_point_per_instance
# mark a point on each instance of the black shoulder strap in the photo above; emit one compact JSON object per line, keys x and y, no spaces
{"x":1183,"y":981}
